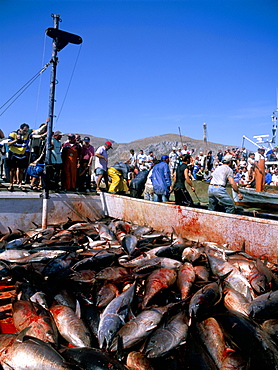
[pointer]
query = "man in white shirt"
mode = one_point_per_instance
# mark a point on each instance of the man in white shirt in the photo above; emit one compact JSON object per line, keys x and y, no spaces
{"x":141,"y":157}
{"x":217,"y":192}
{"x":260,"y":169}
{"x":101,"y":161}
{"x":173,"y":161}
{"x":132,"y":160}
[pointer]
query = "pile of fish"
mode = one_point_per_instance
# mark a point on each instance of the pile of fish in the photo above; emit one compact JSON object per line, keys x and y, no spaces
{"x":114,"y":295}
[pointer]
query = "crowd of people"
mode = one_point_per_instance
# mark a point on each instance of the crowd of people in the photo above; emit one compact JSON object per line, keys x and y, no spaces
{"x":24,"y":159}
{"x":156,"y":181}
{"x":142,"y":174}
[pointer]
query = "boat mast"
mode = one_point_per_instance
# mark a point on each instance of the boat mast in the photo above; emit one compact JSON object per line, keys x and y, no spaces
{"x":54,"y":61}
{"x":60,"y":40}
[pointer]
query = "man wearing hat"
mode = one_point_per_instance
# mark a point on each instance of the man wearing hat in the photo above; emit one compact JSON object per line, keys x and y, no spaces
{"x":217,"y":192}
{"x":71,"y":152}
{"x":260,"y":169}
{"x":101,"y":164}
{"x":88,"y":151}
{"x":161,"y":180}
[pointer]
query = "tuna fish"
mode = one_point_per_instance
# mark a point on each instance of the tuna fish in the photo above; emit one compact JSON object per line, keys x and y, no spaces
{"x":29,"y":354}
{"x":92,"y":359}
{"x":114,"y":315}
{"x":159,"y":279}
{"x":38,"y":320}
{"x":134,"y":331}
{"x":255,"y":344}
{"x":70,"y":326}
{"x":89,"y":292}
{"x":168,"y":336}
{"x":204,"y":299}
{"x":213,"y":339}
{"x":186,"y":277}
{"x":265,"y":306}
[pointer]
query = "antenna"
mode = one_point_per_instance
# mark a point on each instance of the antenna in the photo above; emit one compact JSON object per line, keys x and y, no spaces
{"x":262,"y":139}
{"x":205,"y":132}
{"x":274,"y":120}
{"x":180,"y":136}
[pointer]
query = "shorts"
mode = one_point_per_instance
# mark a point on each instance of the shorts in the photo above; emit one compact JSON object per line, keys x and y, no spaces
{"x":100,"y":171}
{"x":35,"y":171}
{"x":16,"y":161}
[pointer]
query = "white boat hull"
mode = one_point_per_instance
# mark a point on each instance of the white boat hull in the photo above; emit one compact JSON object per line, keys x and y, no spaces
{"x":20,"y":211}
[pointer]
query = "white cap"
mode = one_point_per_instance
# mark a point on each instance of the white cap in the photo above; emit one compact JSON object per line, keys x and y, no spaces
{"x":228,"y":158}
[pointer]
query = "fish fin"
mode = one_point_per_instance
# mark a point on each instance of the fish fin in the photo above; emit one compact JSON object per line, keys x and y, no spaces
{"x":90,"y":239}
{"x":9,"y":367}
{"x":223,"y":277}
{"x":131,"y":315}
{"x":120,"y":348}
{"x":78,"y":309}
{"x":22,"y":334}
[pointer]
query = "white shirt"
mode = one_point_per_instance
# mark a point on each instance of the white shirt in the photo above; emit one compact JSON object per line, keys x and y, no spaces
{"x":221,"y":174}
{"x":142,"y":158}
{"x":259,"y":156}
{"x":133,"y":159}
{"x":100,"y":162}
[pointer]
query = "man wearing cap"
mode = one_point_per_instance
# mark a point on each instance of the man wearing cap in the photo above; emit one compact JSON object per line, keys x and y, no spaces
{"x":101,"y":164}
{"x":88,"y":151}
{"x":260,"y":169}
{"x":71,"y":151}
{"x":56,"y":160}
{"x":217,"y":192}
{"x":161,"y":180}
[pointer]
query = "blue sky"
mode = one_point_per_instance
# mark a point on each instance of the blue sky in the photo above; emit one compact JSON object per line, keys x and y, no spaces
{"x":145,"y":68}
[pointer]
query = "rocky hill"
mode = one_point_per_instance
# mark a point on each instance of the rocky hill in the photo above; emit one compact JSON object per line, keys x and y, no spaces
{"x":160,"y":145}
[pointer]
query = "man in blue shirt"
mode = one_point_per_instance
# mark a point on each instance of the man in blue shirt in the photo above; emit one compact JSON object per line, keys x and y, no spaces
{"x":268,"y":176}
{"x":161,"y":180}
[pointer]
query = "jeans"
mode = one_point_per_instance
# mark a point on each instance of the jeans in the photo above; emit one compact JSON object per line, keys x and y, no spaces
{"x":219,"y":196}
{"x":160,"y":197}
{"x":148,"y":195}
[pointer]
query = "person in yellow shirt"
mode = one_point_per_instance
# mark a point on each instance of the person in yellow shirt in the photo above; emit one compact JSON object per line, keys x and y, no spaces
{"x":17,"y":159}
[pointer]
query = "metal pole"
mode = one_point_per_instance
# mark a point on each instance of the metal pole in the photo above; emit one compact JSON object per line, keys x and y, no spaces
{"x":54,"y":60}
{"x":180,"y":136}
{"x":205,"y":132}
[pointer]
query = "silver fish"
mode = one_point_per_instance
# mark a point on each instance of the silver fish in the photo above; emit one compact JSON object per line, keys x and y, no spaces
{"x":113,"y":317}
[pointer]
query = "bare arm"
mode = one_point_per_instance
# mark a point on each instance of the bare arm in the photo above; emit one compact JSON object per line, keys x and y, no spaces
{"x":101,"y":156}
{"x":188,"y":179}
{"x":234,"y":186}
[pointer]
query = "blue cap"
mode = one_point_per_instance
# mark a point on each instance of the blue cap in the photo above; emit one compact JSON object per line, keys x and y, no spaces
{"x":164,"y":157}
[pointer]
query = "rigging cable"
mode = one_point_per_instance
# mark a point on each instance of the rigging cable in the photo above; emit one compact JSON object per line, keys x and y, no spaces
{"x":69,"y":83}
{"x":40,"y":82}
{"x":23,"y":88}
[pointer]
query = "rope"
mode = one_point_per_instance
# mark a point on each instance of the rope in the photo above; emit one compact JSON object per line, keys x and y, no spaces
{"x":23,"y":88}
{"x":40,"y":81}
{"x":69,"y":83}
